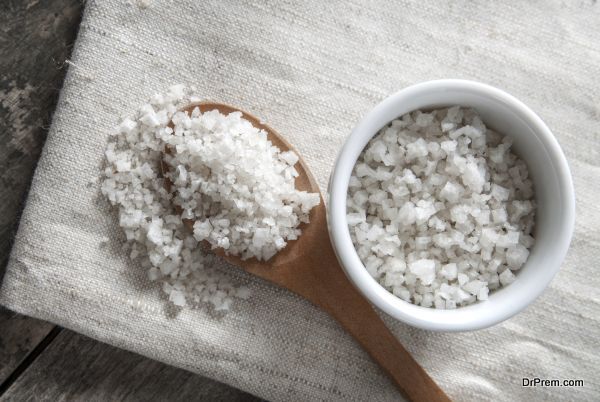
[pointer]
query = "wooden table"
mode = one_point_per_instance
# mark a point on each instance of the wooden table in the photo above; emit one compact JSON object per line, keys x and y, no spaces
{"x":38,"y":360}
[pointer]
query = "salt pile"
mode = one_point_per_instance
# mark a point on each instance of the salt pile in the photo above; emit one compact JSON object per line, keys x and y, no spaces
{"x":247,"y":209}
{"x":235,"y":184}
{"x":440,"y":210}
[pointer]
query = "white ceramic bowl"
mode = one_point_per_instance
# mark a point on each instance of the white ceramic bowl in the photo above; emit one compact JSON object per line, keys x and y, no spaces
{"x":554,"y":195}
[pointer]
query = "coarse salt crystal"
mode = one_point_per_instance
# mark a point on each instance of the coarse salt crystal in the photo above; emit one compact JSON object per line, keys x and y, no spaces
{"x":424,"y":270}
{"x":506,"y":277}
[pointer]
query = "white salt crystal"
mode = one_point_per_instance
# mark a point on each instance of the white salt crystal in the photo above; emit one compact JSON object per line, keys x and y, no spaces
{"x":511,"y":238}
{"x":500,"y":193}
{"x":442,"y":240}
{"x":499,"y":215}
{"x":355,"y":218}
{"x":488,"y":238}
{"x":474,"y":287}
{"x":473,"y":177}
{"x":177,"y":298}
{"x":394,"y":265}
{"x":424,"y":210}
{"x":362,"y":170}
{"x":154,"y":233}
{"x":150,"y":119}
{"x":289,"y":157}
{"x":378,"y":149}
{"x":392,"y":279}
{"x":449,"y":271}
{"x":424,"y":119}
{"x":427,"y":300}
{"x":202,"y":230}
{"x":401,"y":292}
{"x":424,"y":270}
{"x":407,"y":214}
{"x":462,"y":279}
{"x":519,"y":209}
{"x":416,"y":149}
{"x":447,"y":126}
{"x":516,"y":256}
{"x":451,"y":191}
{"x":439,"y":303}
{"x":127,"y":125}
{"x":506,"y":277}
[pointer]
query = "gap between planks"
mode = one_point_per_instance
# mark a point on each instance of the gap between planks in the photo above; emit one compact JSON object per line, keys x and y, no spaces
{"x":29,"y":359}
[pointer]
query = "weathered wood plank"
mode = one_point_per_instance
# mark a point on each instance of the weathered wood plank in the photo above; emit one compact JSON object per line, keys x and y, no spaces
{"x":34,"y":37}
{"x":77,"y":368}
{"x":19,"y":335}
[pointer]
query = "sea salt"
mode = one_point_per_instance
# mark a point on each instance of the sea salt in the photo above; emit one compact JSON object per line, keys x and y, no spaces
{"x":236,"y":186}
{"x":456,"y":200}
{"x":226,"y":176}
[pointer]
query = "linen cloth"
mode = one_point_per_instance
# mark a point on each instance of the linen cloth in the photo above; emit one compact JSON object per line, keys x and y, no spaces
{"x":311,"y":69}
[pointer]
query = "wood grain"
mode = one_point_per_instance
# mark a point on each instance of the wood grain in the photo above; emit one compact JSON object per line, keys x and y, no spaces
{"x":77,"y":368}
{"x":35,"y":39}
{"x":19,"y":335}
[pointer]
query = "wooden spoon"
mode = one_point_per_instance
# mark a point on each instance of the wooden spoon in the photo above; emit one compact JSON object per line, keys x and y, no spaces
{"x":309,"y":267}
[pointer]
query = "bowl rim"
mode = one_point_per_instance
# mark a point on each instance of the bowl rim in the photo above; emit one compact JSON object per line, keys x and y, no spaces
{"x":423,"y":317}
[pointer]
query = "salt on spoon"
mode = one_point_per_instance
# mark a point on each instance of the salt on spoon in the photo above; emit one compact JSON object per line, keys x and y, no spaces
{"x":308,"y":267}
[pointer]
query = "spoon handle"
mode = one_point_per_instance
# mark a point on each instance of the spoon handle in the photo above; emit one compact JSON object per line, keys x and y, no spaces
{"x":332,"y":291}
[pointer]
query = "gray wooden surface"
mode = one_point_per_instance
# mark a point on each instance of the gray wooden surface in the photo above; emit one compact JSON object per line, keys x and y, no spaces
{"x":19,"y":335}
{"x":76,"y":367}
{"x":39,"y":361}
{"x":34,"y":37}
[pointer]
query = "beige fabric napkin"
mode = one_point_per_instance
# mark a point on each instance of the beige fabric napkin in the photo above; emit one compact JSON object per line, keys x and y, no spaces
{"x":311,"y":69}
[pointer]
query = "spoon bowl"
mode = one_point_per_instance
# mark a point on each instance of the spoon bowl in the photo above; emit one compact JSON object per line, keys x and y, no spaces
{"x":304,"y":182}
